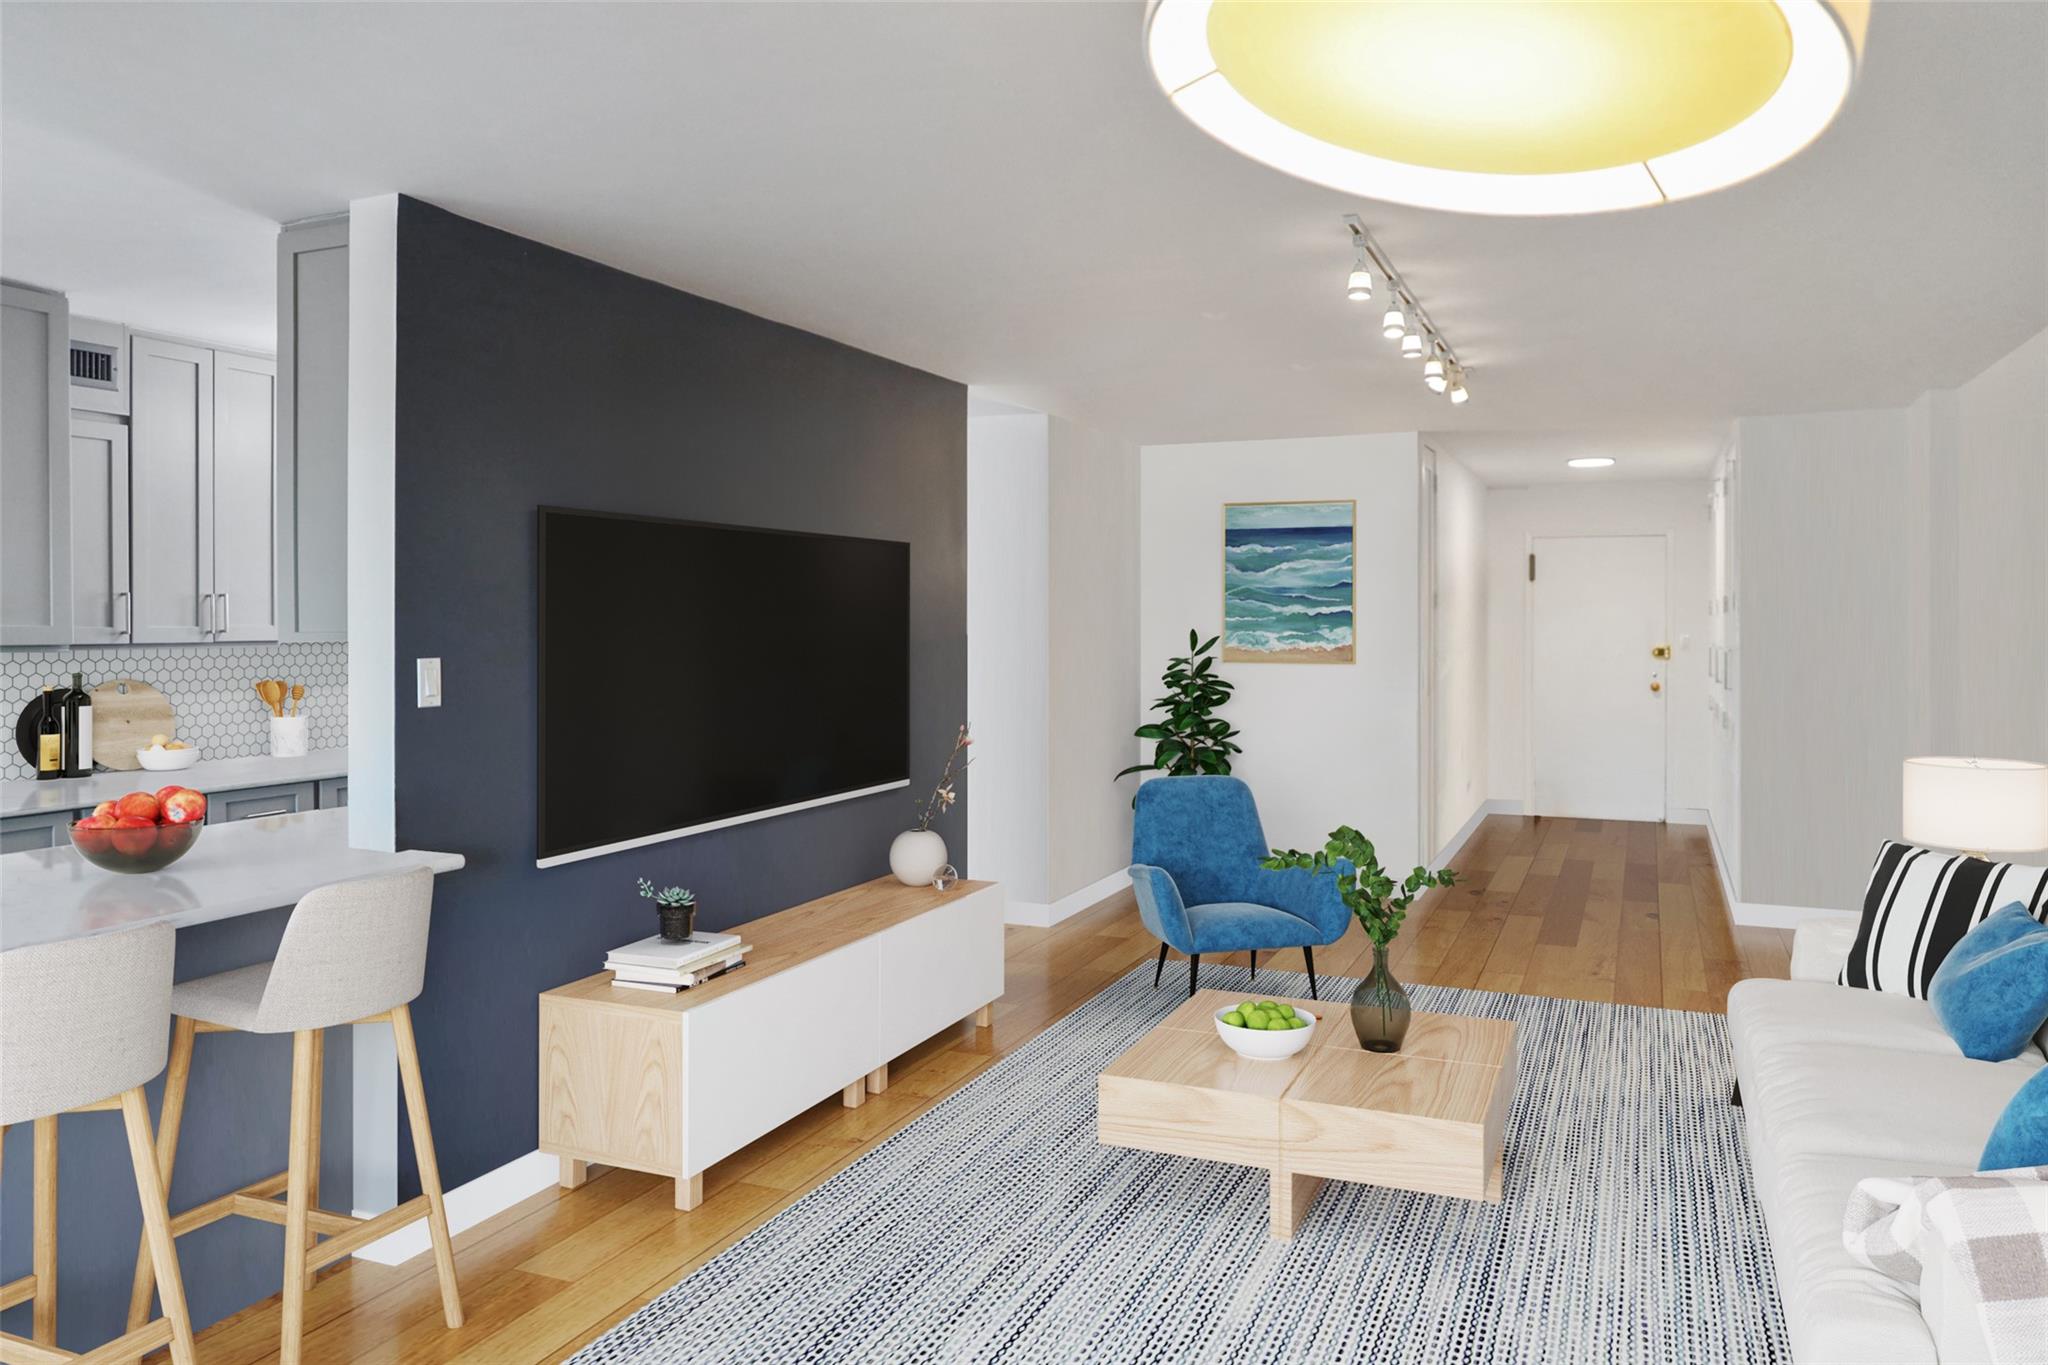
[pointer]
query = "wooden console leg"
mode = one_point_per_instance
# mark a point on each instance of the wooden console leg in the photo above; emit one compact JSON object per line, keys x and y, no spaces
{"x":574,"y":1172}
{"x":878,"y":1079}
{"x":986,"y":1015}
{"x":855,"y":1095}
{"x":1292,"y":1195}
{"x":689,"y":1191}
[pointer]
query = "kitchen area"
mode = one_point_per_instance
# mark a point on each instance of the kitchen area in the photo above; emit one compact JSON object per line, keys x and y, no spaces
{"x":174,"y":537}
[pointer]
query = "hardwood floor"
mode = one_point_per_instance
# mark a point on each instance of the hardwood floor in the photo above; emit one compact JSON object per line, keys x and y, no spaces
{"x":1584,"y":909}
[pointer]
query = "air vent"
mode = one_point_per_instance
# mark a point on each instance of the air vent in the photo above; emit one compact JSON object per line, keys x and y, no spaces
{"x":92,"y":366}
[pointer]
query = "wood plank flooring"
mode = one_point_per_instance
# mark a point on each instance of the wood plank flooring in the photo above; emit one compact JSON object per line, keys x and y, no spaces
{"x":1581,"y":909}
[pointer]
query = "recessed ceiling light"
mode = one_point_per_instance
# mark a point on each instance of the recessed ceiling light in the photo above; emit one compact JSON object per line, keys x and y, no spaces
{"x":1462,"y":109}
{"x":1590,"y":462}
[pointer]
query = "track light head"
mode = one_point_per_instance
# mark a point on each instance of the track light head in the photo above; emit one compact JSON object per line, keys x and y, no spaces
{"x":1359,"y":287}
{"x":1456,"y":392}
{"x":1394,"y":324}
{"x":1433,"y":374}
{"x":1411,"y":346}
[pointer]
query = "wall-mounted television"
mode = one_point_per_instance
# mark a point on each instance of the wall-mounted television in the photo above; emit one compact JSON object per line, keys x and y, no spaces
{"x":697,"y":676}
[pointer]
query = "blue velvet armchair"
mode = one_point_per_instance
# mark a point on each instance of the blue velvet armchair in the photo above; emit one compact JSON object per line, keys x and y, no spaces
{"x":1195,"y":850}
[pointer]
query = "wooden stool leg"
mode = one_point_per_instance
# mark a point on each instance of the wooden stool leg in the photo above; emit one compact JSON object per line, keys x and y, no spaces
{"x":423,"y":1155}
{"x":313,"y":1129}
{"x":176,"y":1078}
{"x":156,"y":1222}
{"x":44,"y":1260}
{"x":298,"y":1198}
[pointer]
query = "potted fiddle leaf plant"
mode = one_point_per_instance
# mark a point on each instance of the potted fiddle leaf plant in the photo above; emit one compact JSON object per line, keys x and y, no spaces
{"x":677,"y":907}
{"x":1379,"y":1007}
{"x":1189,"y":738}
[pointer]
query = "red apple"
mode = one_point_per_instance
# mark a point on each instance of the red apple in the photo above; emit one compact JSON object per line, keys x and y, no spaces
{"x":163,"y":794}
{"x":137,"y":806}
{"x":184,"y":807}
{"x":101,"y":818}
{"x":134,"y":836}
{"x":97,"y":838}
{"x":105,"y":808}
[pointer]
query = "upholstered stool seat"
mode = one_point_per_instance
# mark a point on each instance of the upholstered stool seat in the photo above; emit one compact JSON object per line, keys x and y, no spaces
{"x":352,"y":953}
{"x":82,"y":1025}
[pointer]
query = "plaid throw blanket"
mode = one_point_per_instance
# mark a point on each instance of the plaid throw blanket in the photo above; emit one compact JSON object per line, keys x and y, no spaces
{"x":1979,"y":1243}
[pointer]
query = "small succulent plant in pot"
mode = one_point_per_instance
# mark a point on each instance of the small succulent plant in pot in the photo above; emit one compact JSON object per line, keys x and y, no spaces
{"x":678,"y":908}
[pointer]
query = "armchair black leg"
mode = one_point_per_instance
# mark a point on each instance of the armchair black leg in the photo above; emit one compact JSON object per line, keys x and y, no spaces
{"x":1194,"y":970}
{"x":1308,"y":955}
{"x":1735,"y":1094}
{"x":1160,"y":967}
{"x":1255,"y":966}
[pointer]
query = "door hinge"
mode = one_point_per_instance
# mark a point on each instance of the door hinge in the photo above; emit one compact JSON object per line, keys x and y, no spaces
{"x":1532,"y":566}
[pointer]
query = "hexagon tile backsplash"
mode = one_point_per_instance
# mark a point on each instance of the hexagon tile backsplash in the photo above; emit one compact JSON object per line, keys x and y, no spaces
{"x":212,"y":690}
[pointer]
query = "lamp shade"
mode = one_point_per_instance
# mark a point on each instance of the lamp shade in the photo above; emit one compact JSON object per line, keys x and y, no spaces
{"x":1985,"y":805}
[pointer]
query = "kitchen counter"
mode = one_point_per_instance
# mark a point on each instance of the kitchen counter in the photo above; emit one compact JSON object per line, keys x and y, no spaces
{"x":27,"y":796}
{"x":51,"y":894}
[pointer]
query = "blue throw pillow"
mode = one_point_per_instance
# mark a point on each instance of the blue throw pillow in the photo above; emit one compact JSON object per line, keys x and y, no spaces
{"x":1991,"y":991}
{"x":2020,"y":1137}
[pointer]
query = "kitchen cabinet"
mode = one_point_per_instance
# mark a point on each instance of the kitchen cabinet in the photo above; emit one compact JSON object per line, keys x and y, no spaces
{"x":202,"y":443}
{"x":23,"y":833}
{"x":35,"y":467}
{"x":312,"y":431}
{"x":253,"y":803}
{"x":333,"y":792}
{"x":100,"y":599}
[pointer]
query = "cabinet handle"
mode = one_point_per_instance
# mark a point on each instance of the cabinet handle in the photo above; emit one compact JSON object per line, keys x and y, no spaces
{"x":125,"y":625}
{"x":224,"y":627}
{"x":261,"y":814}
{"x":206,"y":606}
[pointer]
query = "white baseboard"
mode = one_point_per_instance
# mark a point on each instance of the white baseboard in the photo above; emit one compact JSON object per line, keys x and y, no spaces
{"x":1040,"y":916}
{"x":490,"y":1193}
{"x":1687,"y":815}
{"x":1457,"y":841}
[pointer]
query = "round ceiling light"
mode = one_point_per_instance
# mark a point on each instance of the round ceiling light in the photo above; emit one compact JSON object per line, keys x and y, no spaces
{"x":1511,"y":106}
{"x":1590,"y":462}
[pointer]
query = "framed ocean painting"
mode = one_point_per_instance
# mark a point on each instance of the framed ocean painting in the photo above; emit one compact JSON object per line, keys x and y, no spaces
{"x":1287,"y":586}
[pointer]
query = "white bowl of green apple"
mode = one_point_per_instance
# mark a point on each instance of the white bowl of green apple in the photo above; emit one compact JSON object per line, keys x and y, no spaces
{"x":1265,"y":1030}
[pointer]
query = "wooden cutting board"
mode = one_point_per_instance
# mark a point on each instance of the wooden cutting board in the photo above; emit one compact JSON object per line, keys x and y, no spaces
{"x":126,"y":713}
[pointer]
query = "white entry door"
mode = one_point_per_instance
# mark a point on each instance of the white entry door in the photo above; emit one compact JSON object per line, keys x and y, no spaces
{"x":1596,"y":684}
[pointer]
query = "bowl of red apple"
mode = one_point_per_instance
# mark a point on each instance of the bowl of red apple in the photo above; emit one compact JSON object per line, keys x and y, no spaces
{"x":142,"y":831}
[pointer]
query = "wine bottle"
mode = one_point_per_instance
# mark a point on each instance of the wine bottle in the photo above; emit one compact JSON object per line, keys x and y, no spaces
{"x":50,"y":739}
{"x":78,"y":729}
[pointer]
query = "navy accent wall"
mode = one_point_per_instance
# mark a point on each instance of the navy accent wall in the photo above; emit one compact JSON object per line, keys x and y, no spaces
{"x":529,"y":376}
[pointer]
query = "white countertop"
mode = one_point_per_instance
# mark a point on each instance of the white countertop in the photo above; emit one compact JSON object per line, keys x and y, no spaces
{"x":27,"y":796}
{"x":49,"y":894}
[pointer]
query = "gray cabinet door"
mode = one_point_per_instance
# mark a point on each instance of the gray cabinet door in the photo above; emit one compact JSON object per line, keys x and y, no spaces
{"x":253,"y":803}
{"x":23,"y":833}
{"x":100,"y":605}
{"x":312,"y":431}
{"x":244,"y":501}
{"x":171,"y":456}
{"x":333,"y":792}
{"x":35,"y":465}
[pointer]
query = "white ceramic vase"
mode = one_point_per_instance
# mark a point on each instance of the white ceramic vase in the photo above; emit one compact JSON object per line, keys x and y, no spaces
{"x":916,"y":855}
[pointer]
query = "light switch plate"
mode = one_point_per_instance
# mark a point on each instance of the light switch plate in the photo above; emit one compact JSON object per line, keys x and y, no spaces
{"x":430,"y":682}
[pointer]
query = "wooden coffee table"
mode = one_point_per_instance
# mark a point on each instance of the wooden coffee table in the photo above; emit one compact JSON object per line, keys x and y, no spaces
{"x":1430,"y":1118}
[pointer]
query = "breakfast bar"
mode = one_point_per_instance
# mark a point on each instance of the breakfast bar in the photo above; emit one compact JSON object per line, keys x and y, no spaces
{"x":229,"y":899}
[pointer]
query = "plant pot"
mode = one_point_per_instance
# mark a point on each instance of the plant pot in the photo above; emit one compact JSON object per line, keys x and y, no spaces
{"x":1379,"y":1007}
{"x":916,"y":855}
{"x":676,"y":921}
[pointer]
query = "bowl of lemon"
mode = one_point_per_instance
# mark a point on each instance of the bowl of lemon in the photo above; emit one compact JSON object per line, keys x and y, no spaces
{"x":1265,"y":1030}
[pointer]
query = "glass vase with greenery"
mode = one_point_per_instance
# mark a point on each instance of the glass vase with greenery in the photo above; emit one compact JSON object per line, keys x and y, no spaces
{"x":1192,"y":738}
{"x":1379,"y":1007}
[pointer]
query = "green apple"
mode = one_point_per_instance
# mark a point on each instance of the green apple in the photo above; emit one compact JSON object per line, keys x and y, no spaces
{"x":1234,"y":1019}
{"x":1299,"y":1022}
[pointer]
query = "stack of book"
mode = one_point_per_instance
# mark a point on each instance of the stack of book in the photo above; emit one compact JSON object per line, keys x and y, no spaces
{"x":654,"y":964}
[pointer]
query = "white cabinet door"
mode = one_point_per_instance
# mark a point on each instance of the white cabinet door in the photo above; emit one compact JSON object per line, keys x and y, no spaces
{"x":312,"y":431}
{"x":35,"y":464}
{"x":244,"y":497}
{"x":171,"y":454}
{"x":939,"y":968}
{"x":100,"y":604}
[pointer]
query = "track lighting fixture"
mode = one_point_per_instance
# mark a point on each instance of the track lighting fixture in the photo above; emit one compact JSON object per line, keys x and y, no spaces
{"x":1406,"y":321}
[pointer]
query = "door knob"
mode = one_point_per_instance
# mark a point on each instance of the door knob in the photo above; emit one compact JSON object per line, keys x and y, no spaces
{"x":1656,"y":686}
{"x":1660,"y":651}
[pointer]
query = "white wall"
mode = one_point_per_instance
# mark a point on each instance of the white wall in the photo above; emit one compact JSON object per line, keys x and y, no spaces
{"x":1461,"y":646}
{"x":1093,"y":655}
{"x":1008,"y":641}
{"x":372,"y":522}
{"x":1677,"y":509}
{"x":1325,"y":744}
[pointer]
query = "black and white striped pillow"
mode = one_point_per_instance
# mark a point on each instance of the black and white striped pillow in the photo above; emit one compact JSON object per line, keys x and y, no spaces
{"x":1920,"y":903}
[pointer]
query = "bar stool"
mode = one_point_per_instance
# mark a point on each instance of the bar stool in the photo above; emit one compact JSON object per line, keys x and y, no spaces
{"x":82,"y":1024}
{"x":352,"y":953}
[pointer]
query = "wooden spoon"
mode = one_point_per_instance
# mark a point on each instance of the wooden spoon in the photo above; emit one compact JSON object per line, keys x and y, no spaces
{"x":298,"y":695}
{"x":272,"y":692}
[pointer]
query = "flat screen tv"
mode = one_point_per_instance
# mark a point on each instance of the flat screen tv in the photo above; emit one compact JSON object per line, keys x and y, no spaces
{"x":695,"y":676}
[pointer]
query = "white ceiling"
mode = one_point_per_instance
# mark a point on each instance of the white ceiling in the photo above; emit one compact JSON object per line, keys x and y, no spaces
{"x":997,"y":193}
{"x":1676,"y":450}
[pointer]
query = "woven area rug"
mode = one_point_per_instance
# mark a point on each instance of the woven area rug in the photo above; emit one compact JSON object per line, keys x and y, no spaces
{"x":994,"y":1228}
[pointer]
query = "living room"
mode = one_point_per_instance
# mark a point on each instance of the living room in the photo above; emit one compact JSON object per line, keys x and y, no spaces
{"x":908,"y":583}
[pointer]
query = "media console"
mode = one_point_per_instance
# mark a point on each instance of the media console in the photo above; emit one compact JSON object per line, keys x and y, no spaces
{"x":833,"y":990}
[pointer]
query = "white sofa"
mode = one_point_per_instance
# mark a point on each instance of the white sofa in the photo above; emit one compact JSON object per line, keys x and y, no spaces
{"x":1838,"y":1084}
